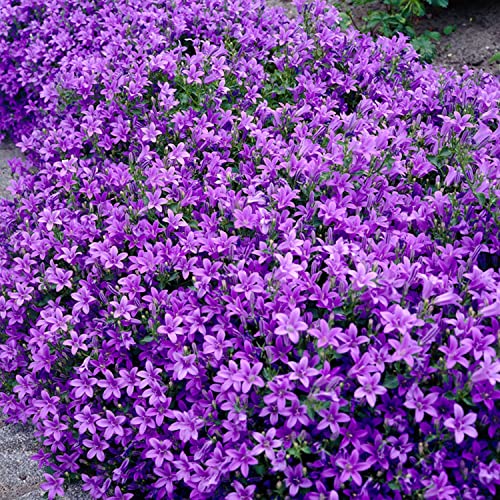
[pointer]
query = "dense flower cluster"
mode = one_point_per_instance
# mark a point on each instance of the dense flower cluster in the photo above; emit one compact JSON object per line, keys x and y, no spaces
{"x":247,"y":257}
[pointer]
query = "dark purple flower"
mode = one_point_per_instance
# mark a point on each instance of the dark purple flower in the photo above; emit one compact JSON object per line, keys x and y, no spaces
{"x":295,"y":480}
{"x":302,"y":372}
{"x":111,"y":424}
{"x":351,"y":467}
{"x":242,"y":459}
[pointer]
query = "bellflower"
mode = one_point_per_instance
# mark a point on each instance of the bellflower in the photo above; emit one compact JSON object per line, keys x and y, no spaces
{"x":416,"y":400}
{"x":246,"y":255}
{"x":351,"y":467}
{"x":370,"y":388}
{"x":461,"y":424}
{"x":290,"y":325}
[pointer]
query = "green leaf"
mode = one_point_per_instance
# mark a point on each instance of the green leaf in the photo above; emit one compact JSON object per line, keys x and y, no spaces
{"x":147,"y":339}
{"x":391,"y":381}
{"x":433,"y":35}
{"x":260,"y":469}
{"x":394,"y":485}
{"x":450,"y":395}
{"x":311,"y":413}
{"x":495,"y":58}
{"x":468,"y":401}
{"x":482,"y":199}
{"x":448,"y":30}
{"x":438,"y":3}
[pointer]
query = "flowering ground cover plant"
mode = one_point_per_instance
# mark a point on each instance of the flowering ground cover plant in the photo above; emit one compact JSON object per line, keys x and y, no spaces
{"x":247,"y":257}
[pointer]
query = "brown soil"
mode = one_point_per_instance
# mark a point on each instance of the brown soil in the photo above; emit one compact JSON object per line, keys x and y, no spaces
{"x":477,"y":35}
{"x":475,"y":40}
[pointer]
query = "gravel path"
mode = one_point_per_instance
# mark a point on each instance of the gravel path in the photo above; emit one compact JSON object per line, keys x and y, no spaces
{"x":20,"y":477}
{"x":7,"y":151}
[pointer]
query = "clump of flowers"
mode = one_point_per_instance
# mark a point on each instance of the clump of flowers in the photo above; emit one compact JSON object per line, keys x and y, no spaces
{"x":247,"y":257}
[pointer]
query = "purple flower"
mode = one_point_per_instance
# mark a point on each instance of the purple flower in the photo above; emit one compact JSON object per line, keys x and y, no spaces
{"x":266,"y":443}
{"x":245,"y":218}
{"x":361,"y":278}
{"x":96,"y":447}
{"x":159,"y":451}
{"x":454,"y":353}
{"x":249,"y":284}
{"x":248,"y":375}
{"x":295,"y":414}
{"x":229,"y":227}
{"x":119,"y":495}
{"x":290,"y":325}
{"x":399,"y":447}
{"x":416,"y":400}
{"x":399,"y":319}
{"x":53,"y":486}
{"x":241,"y":492}
{"x":216,"y":345}
{"x":461,"y":424}
{"x":332,"y":417}
{"x":281,"y":392}
{"x":287,"y":269}
{"x":302,"y":371}
{"x":76,"y":342}
{"x":150,"y":133}
{"x":111,"y":424}
{"x":145,"y":419}
{"x":110,"y":385}
{"x":242,"y":459}
{"x":113,"y":259}
{"x":349,"y":340}
{"x":83,"y":299}
{"x":86,"y":421}
{"x":441,"y":489}
{"x":188,"y":424}
{"x":405,"y":349}
{"x":370,"y":388}
{"x":351,"y":467}
{"x":166,"y":479}
{"x":295,"y":480}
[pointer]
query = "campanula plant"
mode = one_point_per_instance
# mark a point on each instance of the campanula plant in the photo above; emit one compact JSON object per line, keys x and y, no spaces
{"x":247,"y":257}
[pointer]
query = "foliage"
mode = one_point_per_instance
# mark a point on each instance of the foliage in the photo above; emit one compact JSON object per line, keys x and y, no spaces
{"x":399,"y":17}
{"x":247,"y":257}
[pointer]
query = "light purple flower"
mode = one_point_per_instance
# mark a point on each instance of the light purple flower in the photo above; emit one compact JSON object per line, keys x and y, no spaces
{"x":370,"y":388}
{"x":461,"y":424}
{"x":290,"y":325}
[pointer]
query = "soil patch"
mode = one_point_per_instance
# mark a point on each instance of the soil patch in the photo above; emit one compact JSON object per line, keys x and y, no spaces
{"x":475,"y":40}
